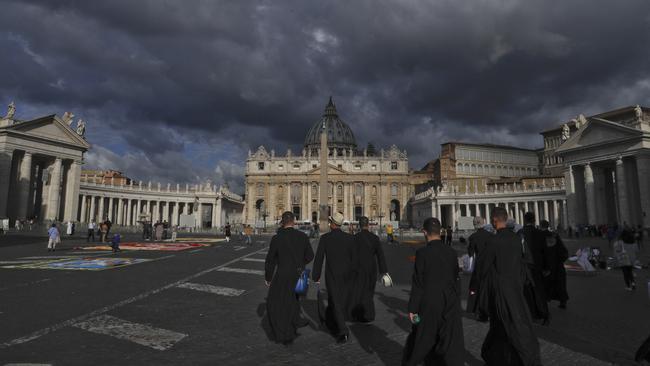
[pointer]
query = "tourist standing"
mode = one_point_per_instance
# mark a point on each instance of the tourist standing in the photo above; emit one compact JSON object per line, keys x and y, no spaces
{"x":248,"y":232}
{"x":69,"y":228}
{"x":103,"y":228}
{"x":91,"y":230}
{"x":510,"y":340}
{"x":174,"y":233}
{"x":625,"y":250}
{"x":289,"y":253}
{"x":339,"y":250}
{"x":226,"y":230}
{"x":434,"y":305}
{"x":638,"y":235}
{"x":554,"y":272}
{"x":159,"y":231}
{"x":389,"y":233}
{"x":533,"y":249}
{"x":54,"y":237}
{"x":370,"y":256}
{"x":477,"y":242}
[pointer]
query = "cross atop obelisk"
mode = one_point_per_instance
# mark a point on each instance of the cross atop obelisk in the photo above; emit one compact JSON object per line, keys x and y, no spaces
{"x":322,"y":202}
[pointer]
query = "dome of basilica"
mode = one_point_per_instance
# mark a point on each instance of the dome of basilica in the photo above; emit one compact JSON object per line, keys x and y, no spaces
{"x":339,"y":134}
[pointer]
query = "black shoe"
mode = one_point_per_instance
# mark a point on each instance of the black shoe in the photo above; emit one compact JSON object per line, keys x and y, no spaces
{"x":562,"y":305}
{"x":342,"y":339}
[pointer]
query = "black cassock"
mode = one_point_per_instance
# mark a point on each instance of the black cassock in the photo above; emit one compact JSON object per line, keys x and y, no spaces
{"x":501,"y":272}
{"x":534,"y":285}
{"x":339,"y":250}
{"x":555,"y":256}
{"x":477,"y":242}
{"x":435,"y":297}
{"x":370,"y":256}
{"x":289,"y":252}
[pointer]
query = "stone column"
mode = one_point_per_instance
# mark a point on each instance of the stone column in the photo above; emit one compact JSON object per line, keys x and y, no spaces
{"x":590,"y":195}
{"x":556,"y":214}
{"x":517,"y":213}
{"x":271,"y":208}
{"x":138,"y":211}
{"x":621,"y":190}
{"x":100,"y":213}
{"x":309,"y":199}
{"x":54,"y":195}
{"x":120,"y":211}
{"x":565,"y":215}
{"x":111,"y":203}
{"x":72,"y":191}
{"x":546,"y":215}
{"x":218,"y":210}
{"x":175,"y":213}
{"x":199,"y":214}
{"x":536,"y":205}
{"x":5,"y":180}
{"x":165,"y":211}
{"x":454,"y":215}
{"x":83,"y":215}
{"x":92,"y":216}
{"x":643,"y":173}
{"x":186,"y":208}
{"x":24,"y":176}
{"x":129,"y":212}
{"x":570,"y":206}
{"x":289,"y":206}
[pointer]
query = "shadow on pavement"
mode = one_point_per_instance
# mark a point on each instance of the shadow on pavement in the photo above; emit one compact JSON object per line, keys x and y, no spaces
{"x":375,"y":340}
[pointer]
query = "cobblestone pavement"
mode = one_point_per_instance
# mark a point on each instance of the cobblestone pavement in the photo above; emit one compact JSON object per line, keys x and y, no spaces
{"x":206,"y":307}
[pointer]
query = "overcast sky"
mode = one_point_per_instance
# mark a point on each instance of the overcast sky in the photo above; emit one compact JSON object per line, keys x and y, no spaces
{"x":179,"y":91}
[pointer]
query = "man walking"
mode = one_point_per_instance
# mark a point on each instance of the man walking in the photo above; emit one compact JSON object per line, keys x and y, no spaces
{"x":248,"y":232}
{"x":534,"y":251}
{"x":226,"y":230}
{"x":339,"y":249}
{"x":289,"y":253}
{"x":477,"y":242}
{"x":371,"y":258}
{"x":53,"y":238}
{"x":510,"y":340}
{"x":91,"y":230}
{"x":434,"y":306}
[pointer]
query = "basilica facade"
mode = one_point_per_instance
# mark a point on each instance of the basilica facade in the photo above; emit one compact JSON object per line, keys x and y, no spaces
{"x":361,"y":182}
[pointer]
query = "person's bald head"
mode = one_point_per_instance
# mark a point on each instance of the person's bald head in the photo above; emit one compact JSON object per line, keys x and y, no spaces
{"x":499,"y":217}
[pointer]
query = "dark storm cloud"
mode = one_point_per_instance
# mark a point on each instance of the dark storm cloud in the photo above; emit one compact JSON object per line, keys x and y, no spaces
{"x":157,"y":76}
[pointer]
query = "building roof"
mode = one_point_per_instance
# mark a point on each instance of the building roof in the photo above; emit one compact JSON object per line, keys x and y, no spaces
{"x":339,"y":134}
{"x":604,"y":115}
{"x":496,"y":146}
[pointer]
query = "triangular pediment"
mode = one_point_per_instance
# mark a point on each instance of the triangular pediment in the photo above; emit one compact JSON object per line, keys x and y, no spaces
{"x":50,"y":128}
{"x":598,"y":132}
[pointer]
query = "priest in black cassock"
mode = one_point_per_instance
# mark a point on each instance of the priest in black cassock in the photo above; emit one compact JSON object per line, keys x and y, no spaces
{"x":501,"y":272}
{"x":339,"y":249}
{"x":534,"y":256}
{"x":477,"y":242}
{"x":289,"y":253}
{"x":554,"y":272}
{"x":370,"y":256}
{"x":434,"y":306}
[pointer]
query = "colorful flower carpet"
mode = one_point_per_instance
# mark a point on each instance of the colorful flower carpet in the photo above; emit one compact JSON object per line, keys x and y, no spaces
{"x":83,"y":264}
{"x":165,"y":247}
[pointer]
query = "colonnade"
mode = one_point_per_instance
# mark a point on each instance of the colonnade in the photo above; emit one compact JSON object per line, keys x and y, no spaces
{"x":127,"y":211}
{"x":552,"y":210}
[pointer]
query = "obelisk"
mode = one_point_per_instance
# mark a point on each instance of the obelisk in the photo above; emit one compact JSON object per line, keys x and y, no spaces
{"x":322,"y":202}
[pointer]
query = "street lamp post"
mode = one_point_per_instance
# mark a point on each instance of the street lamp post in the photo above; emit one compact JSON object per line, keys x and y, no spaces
{"x":264,"y":216}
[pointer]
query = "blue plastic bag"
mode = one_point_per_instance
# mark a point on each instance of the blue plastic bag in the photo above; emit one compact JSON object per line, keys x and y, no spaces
{"x":302,"y":286}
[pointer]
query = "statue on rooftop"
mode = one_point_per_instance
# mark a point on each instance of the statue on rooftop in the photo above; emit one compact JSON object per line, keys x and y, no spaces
{"x":582,"y":120}
{"x":638,"y":112}
{"x":68,"y":118}
{"x":566,"y":132}
{"x":81,"y":128}
{"x":11,"y":110}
